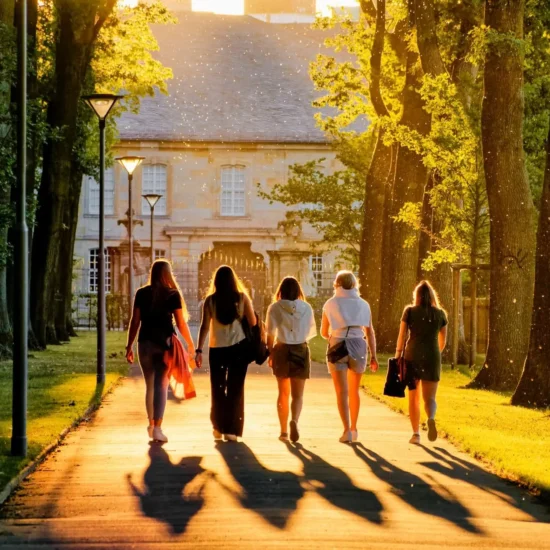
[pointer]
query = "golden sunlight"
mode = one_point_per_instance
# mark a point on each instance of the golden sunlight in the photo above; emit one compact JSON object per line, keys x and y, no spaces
{"x":228,"y":7}
{"x":324,"y":6}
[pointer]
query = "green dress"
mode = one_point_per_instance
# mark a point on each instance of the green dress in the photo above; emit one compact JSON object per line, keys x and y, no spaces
{"x":422,"y":348}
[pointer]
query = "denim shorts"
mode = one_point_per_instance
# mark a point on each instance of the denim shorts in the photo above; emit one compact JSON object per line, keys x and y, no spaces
{"x":356,"y":360}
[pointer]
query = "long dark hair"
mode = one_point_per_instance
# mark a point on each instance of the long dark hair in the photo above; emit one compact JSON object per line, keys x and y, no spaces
{"x":289,"y":289}
{"x":425,"y":295}
{"x":163,"y":284}
{"x":224,"y":293}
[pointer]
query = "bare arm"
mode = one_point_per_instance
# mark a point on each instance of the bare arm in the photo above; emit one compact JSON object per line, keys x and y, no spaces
{"x":203,"y":331}
{"x":442,"y":338}
{"x":133,"y":328}
{"x":371,"y":340}
{"x":249,"y":311}
{"x":183,"y":327}
{"x":325,"y":327}
{"x":401,"y":339}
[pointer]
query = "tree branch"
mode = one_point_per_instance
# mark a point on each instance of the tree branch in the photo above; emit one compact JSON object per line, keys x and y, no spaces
{"x":430,"y":57}
{"x":376,"y":60}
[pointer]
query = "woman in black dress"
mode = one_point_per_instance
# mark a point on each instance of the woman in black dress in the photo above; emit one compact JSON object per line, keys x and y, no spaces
{"x":425,"y":324}
{"x":156,"y":307}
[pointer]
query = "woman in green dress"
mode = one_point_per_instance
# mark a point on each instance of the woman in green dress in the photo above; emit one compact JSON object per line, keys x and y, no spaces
{"x":422,"y":338}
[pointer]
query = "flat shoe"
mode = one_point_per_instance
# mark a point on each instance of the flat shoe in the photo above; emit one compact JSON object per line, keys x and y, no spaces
{"x":159,"y":436}
{"x":432,"y":430}
{"x":283,"y":437}
{"x":345,"y":437}
{"x":294,"y":433}
{"x":415,"y":439}
{"x":230,"y":437}
{"x":354,"y":435}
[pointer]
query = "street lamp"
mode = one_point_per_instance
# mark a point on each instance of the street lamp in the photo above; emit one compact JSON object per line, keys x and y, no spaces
{"x":130,"y":164}
{"x":152,"y":199}
{"x":101,"y":104}
{"x":21,"y":265}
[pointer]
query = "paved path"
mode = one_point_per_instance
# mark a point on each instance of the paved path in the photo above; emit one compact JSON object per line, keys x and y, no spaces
{"x":107,"y":488}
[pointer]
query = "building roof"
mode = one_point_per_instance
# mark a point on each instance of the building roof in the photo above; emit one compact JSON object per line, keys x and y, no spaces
{"x":236,"y":79}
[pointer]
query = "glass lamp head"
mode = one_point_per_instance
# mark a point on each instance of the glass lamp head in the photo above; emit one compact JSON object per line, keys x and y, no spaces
{"x":152,"y":199}
{"x":101,"y":104}
{"x":130,"y":163}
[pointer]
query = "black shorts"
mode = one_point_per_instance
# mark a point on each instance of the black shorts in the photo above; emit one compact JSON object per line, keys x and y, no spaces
{"x":291,"y":360}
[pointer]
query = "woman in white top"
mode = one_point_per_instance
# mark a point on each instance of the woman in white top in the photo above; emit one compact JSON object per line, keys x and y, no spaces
{"x":347,"y":317}
{"x":290,"y":324}
{"x":222,"y":311}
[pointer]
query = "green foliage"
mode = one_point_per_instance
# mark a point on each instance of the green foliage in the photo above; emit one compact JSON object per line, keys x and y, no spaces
{"x":330,"y":202}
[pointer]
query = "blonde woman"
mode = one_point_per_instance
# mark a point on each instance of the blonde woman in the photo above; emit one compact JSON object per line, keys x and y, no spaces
{"x":223,"y":309}
{"x":422,"y":338}
{"x":347,"y":318}
{"x":156,"y":306}
{"x":290,"y":325}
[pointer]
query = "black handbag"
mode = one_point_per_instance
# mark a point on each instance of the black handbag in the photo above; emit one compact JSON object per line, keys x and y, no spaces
{"x":256,"y":340}
{"x":395,"y":379}
{"x":338,"y":351}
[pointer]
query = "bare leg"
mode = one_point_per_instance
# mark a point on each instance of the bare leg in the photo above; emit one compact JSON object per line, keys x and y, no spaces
{"x":340,"y":380}
{"x":297,"y":390}
{"x":414,"y":408}
{"x":282,"y":402}
{"x":429,"y":391}
{"x":354,"y":384}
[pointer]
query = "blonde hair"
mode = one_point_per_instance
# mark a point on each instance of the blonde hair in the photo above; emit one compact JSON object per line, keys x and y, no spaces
{"x":345,"y":279}
{"x":425,"y":295}
{"x":161,"y":277}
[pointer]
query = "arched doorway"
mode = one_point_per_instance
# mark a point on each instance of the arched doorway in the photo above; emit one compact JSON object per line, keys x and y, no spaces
{"x":249,"y":265}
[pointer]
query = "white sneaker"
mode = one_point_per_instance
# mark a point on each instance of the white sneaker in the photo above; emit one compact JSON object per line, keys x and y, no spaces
{"x":230,"y":437}
{"x":345,"y":437}
{"x":150,"y":431}
{"x":158,"y":435}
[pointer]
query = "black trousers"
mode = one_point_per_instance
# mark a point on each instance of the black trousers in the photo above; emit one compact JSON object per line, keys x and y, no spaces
{"x":228,"y":367}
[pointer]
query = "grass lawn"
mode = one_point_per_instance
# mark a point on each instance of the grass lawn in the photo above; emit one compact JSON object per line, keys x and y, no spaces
{"x":62,"y":385}
{"x":514,"y":441}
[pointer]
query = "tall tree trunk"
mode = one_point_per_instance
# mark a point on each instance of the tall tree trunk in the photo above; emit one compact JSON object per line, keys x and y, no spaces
{"x":79,"y":24}
{"x":63,"y":318}
{"x":370,"y":257}
{"x":410,"y":179}
{"x":378,"y":176}
{"x":512,"y":228}
{"x":534,"y":386}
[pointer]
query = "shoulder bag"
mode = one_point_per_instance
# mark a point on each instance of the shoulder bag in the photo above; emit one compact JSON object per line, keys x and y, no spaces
{"x":338,"y":351}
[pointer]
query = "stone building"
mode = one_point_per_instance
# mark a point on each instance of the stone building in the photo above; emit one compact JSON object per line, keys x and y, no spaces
{"x":237,"y":116}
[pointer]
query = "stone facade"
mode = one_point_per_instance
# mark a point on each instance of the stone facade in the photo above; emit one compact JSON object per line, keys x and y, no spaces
{"x":194,"y":232}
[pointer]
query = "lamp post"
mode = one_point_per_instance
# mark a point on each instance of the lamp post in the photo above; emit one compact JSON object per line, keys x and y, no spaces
{"x":130,"y":164}
{"x":21,"y":264}
{"x":101,"y":104}
{"x":152,"y":199}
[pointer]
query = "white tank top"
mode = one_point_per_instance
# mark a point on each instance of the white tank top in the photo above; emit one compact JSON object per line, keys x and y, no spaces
{"x":223,"y":336}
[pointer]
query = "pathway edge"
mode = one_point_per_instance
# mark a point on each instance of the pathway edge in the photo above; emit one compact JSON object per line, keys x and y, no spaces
{"x":14,"y":482}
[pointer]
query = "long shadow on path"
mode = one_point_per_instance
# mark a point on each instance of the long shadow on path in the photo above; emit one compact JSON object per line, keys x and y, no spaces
{"x":334,"y":485}
{"x":272,"y":494}
{"x":164,"y":483}
{"x":416,"y":492}
{"x":454,"y":467}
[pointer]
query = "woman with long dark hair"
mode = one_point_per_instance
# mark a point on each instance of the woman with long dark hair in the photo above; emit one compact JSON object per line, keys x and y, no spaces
{"x":156,"y":306}
{"x":223,"y":309}
{"x":290,"y":325}
{"x":422,"y":338}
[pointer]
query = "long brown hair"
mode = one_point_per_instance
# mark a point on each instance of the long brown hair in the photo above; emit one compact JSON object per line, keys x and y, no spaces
{"x":289,"y":289}
{"x":425,"y":295}
{"x":163,"y":282}
{"x":224,"y":293}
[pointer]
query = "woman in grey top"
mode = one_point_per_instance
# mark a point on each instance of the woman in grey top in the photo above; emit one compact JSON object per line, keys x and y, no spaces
{"x":346,"y":316}
{"x":425,"y":324}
